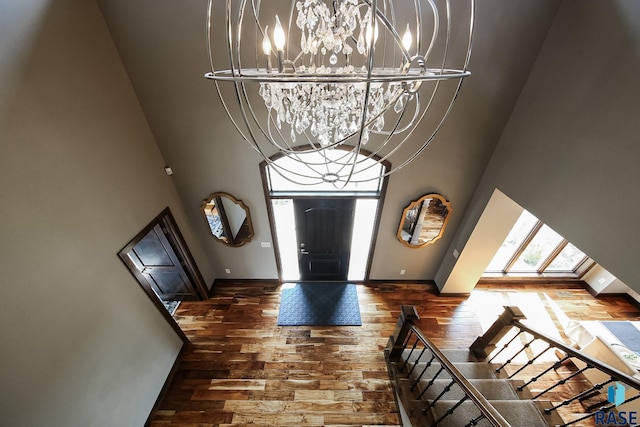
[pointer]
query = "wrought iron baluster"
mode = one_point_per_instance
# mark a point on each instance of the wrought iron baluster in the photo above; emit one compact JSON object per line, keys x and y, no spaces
{"x":430,"y":383}
{"x":433,"y":357}
{"x":561,"y":382}
{"x":449,"y":411}
{"x":537,"y":377}
{"x":504,"y":347}
{"x":524,"y":347}
{"x":415,"y":344}
{"x":475,"y":421}
{"x":631,"y":399}
{"x":530,"y":362}
{"x":578,"y":396}
{"x":415,"y":363}
{"x":444,"y":391}
{"x":410,"y":333}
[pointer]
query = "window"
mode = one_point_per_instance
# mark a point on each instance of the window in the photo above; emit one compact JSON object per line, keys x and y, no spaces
{"x":532,"y":247}
{"x":522,"y":228}
{"x":537,"y":251}
{"x":289,"y":176}
{"x":567,"y":259}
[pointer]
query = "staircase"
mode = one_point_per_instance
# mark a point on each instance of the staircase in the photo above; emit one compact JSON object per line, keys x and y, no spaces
{"x":427,"y":400}
{"x":461,"y":387}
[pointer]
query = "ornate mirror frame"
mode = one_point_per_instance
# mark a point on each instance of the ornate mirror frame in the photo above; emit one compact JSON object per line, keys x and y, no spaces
{"x":423,"y":222}
{"x":228,"y":219}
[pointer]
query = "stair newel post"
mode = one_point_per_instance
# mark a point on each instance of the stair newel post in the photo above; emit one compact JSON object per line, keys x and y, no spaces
{"x":395,"y":346}
{"x":484,"y":345}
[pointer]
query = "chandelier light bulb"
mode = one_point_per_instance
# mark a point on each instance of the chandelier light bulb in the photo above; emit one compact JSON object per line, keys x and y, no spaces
{"x":372,"y":36}
{"x":266,"y":43}
{"x":407,"y":39}
{"x":278,"y":35}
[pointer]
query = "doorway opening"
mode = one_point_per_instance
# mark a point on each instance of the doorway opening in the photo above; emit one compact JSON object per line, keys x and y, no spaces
{"x":323,"y":232}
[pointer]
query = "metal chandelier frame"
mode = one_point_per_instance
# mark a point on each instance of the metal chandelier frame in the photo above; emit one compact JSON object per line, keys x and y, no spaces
{"x":341,"y":81}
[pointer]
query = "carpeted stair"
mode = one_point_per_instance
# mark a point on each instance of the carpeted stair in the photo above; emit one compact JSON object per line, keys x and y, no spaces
{"x":513,"y":406}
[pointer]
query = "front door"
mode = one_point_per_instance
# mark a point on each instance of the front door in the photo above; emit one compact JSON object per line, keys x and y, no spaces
{"x":324,"y":228}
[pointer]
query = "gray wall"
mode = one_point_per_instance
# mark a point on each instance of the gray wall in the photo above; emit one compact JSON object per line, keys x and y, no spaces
{"x":82,"y":345}
{"x":570,"y":151}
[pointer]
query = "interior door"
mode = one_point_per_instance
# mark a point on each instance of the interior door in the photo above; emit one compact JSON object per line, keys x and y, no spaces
{"x":324,"y":228}
{"x":157,"y":261}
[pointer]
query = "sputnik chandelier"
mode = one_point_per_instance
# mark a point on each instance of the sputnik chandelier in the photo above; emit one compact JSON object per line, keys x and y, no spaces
{"x":346,"y":80}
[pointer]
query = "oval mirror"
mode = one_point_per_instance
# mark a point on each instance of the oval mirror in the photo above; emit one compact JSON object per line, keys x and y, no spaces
{"x":424,"y":220}
{"x":228,"y":219}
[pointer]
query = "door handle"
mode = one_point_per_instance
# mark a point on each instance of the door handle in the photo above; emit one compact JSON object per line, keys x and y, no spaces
{"x":303,"y":251}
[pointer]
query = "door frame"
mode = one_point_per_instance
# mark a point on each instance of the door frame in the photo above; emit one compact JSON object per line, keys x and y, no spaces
{"x":380,"y":196}
{"x":166,"y":220}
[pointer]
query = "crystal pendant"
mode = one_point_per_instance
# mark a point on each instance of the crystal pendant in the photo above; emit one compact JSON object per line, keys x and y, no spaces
{"x":399,"y":104}
{"x":365,"y":136}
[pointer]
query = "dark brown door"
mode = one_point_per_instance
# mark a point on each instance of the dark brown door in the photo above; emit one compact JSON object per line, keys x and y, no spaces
{"x":159,"y":264}
{"x":324,"y":228}
{"x":160,"y":260}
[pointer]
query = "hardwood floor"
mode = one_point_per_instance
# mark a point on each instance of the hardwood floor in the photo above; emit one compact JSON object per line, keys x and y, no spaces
{"x":243,"y":369}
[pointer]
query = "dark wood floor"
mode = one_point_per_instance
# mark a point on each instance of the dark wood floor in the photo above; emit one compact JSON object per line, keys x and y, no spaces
{"x":242,"y":369}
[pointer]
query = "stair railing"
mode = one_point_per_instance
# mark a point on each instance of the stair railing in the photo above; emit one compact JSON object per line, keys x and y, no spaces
{"x":512,"y":319}
{"x":408,"y":349}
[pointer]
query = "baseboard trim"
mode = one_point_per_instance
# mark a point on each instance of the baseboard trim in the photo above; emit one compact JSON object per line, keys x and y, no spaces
{"x":166,"y":385}
{"x":632,"y":300}
{"x":243,"y":282}
{"x":399,"y":282}
{"x":460,"y":294}
{"x":626,"y":296}
{"x":276,"y":282}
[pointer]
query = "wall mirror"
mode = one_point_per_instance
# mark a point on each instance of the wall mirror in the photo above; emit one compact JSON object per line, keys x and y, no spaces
{"x":424,"y":220}
{"x":228,"y":219}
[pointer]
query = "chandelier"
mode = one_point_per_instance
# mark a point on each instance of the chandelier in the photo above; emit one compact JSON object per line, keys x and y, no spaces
{"x":347,"y":80}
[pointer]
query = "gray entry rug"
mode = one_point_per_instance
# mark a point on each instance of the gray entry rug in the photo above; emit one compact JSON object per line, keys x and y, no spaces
{"x":319,"y":304}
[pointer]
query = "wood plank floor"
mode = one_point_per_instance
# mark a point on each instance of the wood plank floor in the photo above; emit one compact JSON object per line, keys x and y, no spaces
{"x":242,"y":369}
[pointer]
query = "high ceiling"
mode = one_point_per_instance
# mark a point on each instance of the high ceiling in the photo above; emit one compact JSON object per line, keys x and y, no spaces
{"x":162,"y":46}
